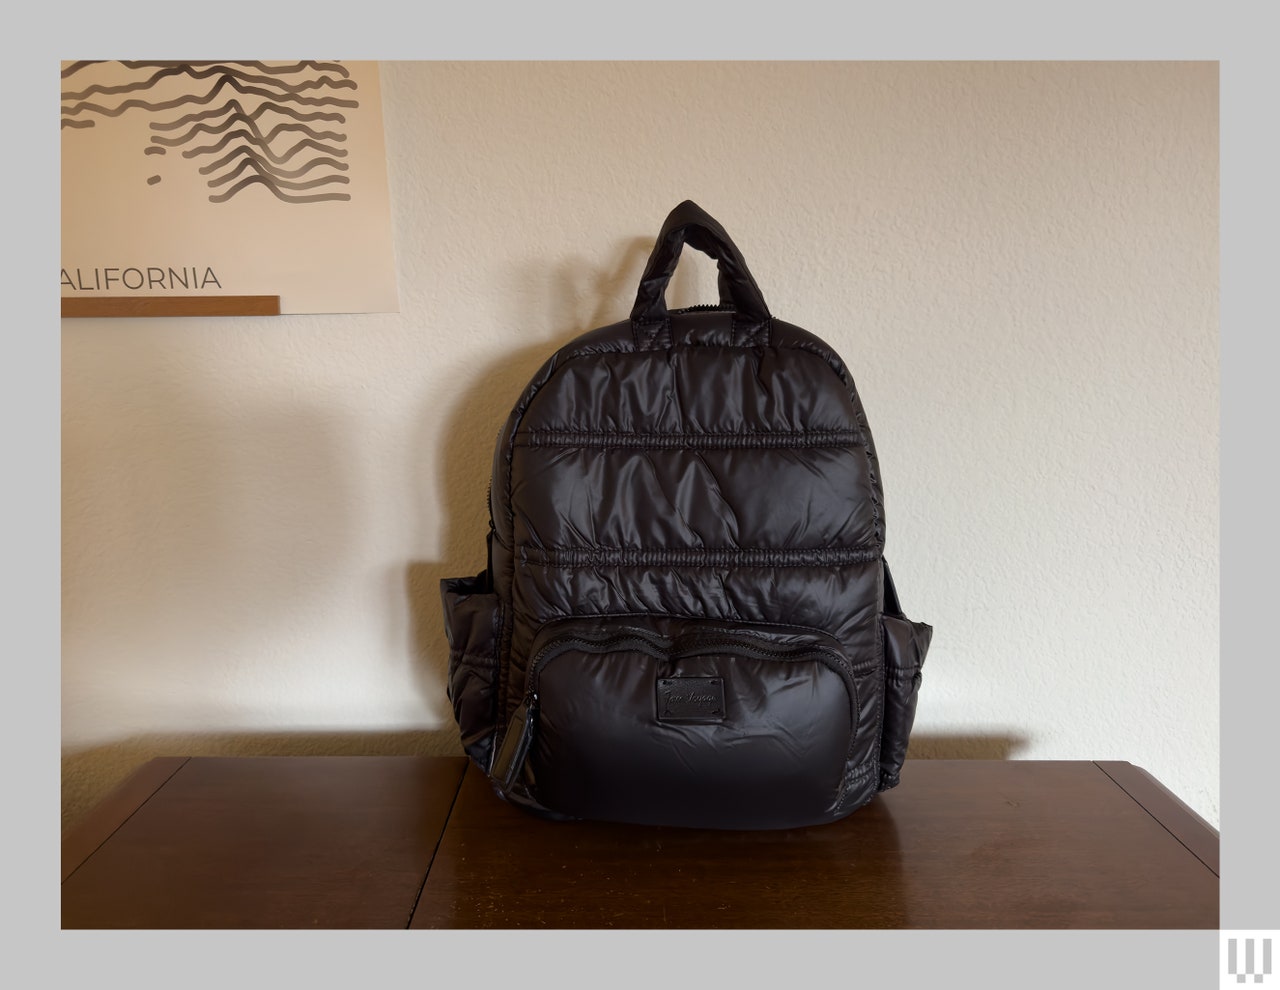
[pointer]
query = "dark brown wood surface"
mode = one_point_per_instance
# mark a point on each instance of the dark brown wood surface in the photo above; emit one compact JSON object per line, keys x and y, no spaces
{"x":351,"y":842}
{"x":1200,"y":838}
{"x":270,"y":842}
{"x":93,"y":306}
{"x":80,"y":842}
{"x":959,"y":844}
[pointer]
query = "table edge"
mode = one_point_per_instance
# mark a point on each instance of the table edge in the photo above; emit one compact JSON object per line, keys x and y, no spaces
{"x":84,"y":839}
{"x":1181,"y":821}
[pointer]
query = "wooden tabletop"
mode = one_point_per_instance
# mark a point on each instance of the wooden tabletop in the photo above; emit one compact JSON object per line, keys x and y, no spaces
{"x":390,"y":842}
{"x":260,"y":842}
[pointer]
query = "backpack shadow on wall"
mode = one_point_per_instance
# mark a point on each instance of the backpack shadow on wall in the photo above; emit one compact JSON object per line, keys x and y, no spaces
{"x":576,"y":297}
{"x":206,"y":516}
{"x":943,"y":746}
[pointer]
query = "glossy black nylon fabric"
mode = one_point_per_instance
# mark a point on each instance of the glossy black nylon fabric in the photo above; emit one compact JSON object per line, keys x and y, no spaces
{"x":699,"y":480}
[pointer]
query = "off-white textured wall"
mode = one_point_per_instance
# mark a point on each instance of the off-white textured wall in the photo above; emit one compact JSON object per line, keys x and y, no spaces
{"x":1017,"y":260}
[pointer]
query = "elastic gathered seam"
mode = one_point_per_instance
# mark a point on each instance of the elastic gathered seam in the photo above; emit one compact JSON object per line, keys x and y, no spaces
{"x":576,"y":557}
{"x":759,"y":440}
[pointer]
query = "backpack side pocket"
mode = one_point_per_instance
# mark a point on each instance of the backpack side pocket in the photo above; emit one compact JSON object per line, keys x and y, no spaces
{"x":905,"y":645}
{"x":472,"y":620}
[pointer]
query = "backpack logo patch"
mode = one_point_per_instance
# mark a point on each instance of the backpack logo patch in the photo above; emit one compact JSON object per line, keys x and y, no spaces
{"x":691,"y":699}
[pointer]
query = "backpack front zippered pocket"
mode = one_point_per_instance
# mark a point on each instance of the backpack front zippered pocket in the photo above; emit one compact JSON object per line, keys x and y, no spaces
{"x":687,"y":721}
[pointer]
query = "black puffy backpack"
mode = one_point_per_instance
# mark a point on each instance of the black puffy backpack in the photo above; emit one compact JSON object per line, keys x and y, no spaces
{"x":686,"y":618}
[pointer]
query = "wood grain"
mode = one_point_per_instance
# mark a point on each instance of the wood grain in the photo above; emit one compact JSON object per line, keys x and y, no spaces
{"x":90,"y":306}
{"x":271,"y":842}
{"x":959,"y":844}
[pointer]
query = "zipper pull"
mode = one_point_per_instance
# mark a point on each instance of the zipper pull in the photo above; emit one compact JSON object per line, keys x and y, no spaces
{"x":508,"y":761}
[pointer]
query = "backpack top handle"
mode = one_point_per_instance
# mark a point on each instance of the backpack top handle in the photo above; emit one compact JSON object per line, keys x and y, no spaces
{"x":689,"y":223}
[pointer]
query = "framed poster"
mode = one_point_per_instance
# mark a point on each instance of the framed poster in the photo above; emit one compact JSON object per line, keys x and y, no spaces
{"x":236,"y":179}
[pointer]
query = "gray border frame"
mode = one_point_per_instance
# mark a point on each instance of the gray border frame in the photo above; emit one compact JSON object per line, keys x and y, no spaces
{"x":1229,"y":33}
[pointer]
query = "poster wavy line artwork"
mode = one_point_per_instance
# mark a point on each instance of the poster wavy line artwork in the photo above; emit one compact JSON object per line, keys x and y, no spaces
{"x":232,"y":177}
